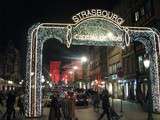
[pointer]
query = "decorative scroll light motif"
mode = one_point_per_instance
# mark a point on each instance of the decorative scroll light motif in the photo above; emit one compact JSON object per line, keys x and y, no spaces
{"x":69,"y":35}
{"x":92,"y":27}
{"x":126,"y":37}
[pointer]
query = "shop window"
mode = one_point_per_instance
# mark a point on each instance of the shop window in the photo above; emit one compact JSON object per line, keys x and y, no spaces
{"x":137,"y":16}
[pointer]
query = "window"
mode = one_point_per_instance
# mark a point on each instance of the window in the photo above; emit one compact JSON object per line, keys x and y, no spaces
{"x":137,"y":16}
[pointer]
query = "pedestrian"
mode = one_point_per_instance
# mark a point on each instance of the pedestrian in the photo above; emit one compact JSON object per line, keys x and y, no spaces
{"x":55,"y":113}
{"x":105,"y":105}
{"x":68,"y":107}
{"x":64,"y":106}
{"x":96,"y":101}
{"x":10,"y":110}
{"x":1,"y":103}
{"x":20,"y":104}
{"x":71,"y":104}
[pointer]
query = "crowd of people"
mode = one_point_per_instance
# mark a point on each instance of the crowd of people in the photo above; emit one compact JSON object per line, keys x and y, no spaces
{"x":62,"y":107}
{"x":8,"y":101}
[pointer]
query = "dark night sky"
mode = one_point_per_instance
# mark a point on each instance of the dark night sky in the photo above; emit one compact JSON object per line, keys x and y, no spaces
{"x":16,"y":16}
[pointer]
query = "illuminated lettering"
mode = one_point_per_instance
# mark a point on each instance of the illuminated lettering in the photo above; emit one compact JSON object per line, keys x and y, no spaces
{"x":75,"y":19}
{"x":79,"y":15}
{"x":97,"y":38}
{"x":110,"y":15}
{"x":97,"y":13}
{"x":84,"y":14}
{"x":89,"y":13}
{"x":120,"y":20}
{"x":114,"y":17}
{"x":93,"y":12}
{"x":104,"y":13}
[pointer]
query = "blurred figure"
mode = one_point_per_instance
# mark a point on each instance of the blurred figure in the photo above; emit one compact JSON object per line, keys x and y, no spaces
{"x":20,"y":104}
{"x":68,"y":107}
{"x":96,"y":101}
{"x":1,"y":103}
{"x":64,"y":106}
{"x":11,"y":99}
{"x":55,"y":113}
{"x":105,"y":105}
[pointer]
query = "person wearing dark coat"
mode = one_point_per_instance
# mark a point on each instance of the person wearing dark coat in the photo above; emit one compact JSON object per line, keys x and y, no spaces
{"x":105,"y":105}
{"x":21,"y":105}
{"x":11,"y":99}
{"x":55,"y":113}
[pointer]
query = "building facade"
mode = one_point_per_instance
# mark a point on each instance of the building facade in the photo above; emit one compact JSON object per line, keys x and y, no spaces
{"x":137,"y":13}
{"x":94,"y":67}
{"x":114,"y":58}
{"x":10,"y":67}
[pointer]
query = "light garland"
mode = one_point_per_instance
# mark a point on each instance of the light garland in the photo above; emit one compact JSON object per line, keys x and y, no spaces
{"x":65,"y":34}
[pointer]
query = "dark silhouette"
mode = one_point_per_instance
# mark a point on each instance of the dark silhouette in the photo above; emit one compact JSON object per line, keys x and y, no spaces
{"x":11,"y":99}
{"x":21,"y":105}
{"x":105,"y":105}
{"x":1,"y":102}
{"x":96,"y":101}
{"x":55,"y":113}
{"x":68,"y":107}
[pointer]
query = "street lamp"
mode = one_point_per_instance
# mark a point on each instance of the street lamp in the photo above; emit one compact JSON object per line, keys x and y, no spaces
{"x":84,"y":59}
{"x":150,"y":107}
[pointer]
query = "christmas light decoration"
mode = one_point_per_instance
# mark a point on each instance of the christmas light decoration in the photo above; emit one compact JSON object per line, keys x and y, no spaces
{"x":91,"y":27}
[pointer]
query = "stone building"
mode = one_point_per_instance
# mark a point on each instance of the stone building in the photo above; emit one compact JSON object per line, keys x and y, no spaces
{"x":114,"y":58}
{"x":10,"y":67}
{"x":137,"y":13}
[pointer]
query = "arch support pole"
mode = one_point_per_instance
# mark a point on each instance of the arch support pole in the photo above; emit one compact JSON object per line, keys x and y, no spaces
{"x":33,"y":89}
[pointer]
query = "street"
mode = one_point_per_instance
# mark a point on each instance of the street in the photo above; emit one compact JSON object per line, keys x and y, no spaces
{"x":131,"y":111}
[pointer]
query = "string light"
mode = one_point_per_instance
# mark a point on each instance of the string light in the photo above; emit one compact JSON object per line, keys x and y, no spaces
{"x":65,"y":33}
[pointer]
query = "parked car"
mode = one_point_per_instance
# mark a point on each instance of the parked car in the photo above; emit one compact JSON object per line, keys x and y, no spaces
{"x":81,"y":100}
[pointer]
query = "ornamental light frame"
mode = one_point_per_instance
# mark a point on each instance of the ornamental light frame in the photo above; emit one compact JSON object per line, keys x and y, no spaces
{"x":40,"y":32}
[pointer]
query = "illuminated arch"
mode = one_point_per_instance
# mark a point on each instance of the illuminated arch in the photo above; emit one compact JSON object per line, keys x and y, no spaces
{"x":66,"y":33}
